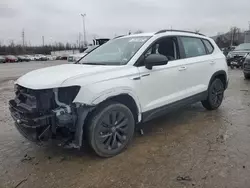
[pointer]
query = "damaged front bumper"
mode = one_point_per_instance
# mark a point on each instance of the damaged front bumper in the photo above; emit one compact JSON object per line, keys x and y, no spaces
{"x":33,"y":128}
{"x":41,"y":128}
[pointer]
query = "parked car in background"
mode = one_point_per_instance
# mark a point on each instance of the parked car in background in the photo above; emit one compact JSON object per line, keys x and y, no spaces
{"x":64,"y":57}
{"x":71,"y":58}
{"x":40,"y":57}
{"x":246,"y":66}
{"x":22,"y":58}
{"x":30,"y":57}
{"x":58,"y":57}
{"x":43,"y":58}
{"x":37,"y":57}
{"x":11,"y":59}
{"x":238,"y":54}
{"x":2,"y":59}
{"x":51,"y":57}
{"x":228,"y":49}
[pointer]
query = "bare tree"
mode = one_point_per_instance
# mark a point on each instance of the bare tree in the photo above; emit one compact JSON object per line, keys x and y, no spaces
{"x":197,"y":30}
{"x":138,"y":31}
{"x":234,"y":31}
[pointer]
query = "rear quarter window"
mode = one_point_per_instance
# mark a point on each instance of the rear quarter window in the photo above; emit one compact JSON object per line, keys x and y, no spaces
{"x":209,"y":46}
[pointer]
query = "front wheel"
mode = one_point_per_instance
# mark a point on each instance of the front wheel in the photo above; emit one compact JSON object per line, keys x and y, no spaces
{"x":110,"y":129}
{"x":215,"y":95}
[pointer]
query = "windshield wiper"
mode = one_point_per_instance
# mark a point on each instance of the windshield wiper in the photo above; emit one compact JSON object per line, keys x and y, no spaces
{"x":93,"y":64}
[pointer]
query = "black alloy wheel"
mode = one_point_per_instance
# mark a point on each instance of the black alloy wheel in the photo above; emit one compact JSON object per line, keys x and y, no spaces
{"x":111,"y":129}
{"x":215,"y":95}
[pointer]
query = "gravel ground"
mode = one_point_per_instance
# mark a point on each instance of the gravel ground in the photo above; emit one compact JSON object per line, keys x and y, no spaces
{"x":191,"y":147}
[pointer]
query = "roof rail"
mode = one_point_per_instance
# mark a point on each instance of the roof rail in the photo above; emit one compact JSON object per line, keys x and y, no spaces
{"x":166,"y":30}
{"x":119,"y":36}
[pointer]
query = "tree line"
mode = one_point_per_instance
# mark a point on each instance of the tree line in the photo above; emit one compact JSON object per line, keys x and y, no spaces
{"x":233,"y":37}
{"x":16,"y":49}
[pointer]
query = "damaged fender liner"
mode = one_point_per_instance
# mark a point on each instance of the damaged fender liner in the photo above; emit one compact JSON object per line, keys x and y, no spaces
{"x":43,"y":127}
{"x":82,"y":112}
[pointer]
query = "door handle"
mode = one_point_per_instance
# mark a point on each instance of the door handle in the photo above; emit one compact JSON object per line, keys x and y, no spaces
{"x":139,"y":77}
{"x":212,"y":62}
{"x":182,"y":68}
{"x":144,"y":75}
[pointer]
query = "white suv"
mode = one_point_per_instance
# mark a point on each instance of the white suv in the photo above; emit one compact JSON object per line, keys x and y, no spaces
{"x":128,"y":80}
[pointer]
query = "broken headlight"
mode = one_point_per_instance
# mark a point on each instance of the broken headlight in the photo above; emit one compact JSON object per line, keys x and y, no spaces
{"x":67,"y":94}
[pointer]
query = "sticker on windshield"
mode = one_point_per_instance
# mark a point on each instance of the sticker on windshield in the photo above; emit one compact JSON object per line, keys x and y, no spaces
{"x":137,"y":39}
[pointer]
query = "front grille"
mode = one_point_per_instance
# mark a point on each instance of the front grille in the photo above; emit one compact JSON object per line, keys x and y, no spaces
{"x":35,"y":101}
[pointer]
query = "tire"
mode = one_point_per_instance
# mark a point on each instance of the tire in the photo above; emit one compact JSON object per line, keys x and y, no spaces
{"x":215,"y":95}
{"x":110,"y":129}
{"x":247,"y":76}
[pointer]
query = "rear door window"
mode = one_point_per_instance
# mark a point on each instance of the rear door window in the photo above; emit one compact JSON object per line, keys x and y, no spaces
{"x":193,"y":47}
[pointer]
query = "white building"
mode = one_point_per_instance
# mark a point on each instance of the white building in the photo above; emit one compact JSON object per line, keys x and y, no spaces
{"x":65,"y":53}
{"x":247,"y":37}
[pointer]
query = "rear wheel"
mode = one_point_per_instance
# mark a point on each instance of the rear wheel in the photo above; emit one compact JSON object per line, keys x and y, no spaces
{"x":110,"y":129}
{"x":215,"y":95}
{"x":247,"y":76}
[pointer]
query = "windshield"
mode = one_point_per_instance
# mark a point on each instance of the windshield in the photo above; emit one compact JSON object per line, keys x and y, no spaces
{"x":115,"y":52}
{"x":245,"y":46}
{"x":89,"y":49}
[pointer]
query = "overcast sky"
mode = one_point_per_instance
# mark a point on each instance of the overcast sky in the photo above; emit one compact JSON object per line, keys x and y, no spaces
{"x":60,"y":20}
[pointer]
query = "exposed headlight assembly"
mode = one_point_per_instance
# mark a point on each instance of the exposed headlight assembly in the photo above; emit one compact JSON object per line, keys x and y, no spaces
{"x":67,"y":94}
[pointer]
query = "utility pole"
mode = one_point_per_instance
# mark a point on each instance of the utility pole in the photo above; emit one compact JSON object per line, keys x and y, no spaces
{"x":51,"y":40}
{"x":43,"y":40}
{"x":84,"y":29}
{"x":79,"y":40}
{"x":23,"y":39}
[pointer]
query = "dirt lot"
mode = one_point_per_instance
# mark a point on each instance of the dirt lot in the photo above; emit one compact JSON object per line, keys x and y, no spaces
{"x":191,"y":147}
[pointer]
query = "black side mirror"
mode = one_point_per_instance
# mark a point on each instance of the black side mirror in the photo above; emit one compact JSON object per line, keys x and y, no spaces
{"x":155,"y":60}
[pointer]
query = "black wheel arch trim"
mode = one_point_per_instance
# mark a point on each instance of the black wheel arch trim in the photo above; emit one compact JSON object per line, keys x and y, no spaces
{"x":82,"y":115}
{"x":218,"y":73}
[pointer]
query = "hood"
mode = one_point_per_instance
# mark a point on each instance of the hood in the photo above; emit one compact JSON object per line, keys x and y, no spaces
{"x":53,"y":77}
